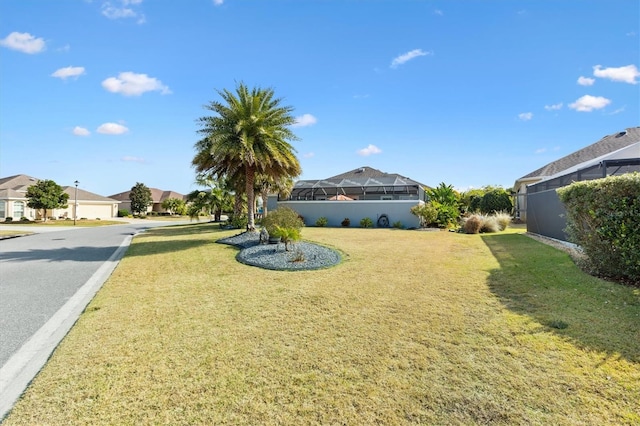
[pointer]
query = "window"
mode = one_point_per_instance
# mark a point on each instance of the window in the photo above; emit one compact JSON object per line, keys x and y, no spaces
{"x":18,"y":209}
{"x":386,"y":197}
{"x":3,"y":209}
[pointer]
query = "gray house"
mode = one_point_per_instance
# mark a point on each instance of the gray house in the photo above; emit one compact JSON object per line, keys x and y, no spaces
{"x":538,"y":202}
{"x":385,"y":198}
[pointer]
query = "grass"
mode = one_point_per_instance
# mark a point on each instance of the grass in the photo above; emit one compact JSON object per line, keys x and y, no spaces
{"x":413,"y":327}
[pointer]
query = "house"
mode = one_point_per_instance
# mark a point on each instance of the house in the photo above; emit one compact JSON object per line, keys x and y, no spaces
{"x":385,"y":198}
{"x":13,"y":201}
{"x":618,"y":145}
{"x":157,"y":197}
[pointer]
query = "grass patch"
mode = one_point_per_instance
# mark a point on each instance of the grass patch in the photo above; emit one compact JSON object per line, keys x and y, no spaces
{"x":4,"y":233}
{"x":413,"y":327}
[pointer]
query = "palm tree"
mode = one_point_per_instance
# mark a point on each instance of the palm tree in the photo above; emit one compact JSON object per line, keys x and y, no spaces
{"x":248,"y":136}
{"x":213,"y":200}
{"x":266,"y":185}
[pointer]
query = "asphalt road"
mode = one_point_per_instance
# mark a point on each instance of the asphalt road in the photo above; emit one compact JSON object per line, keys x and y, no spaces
{"x":42,"y":274}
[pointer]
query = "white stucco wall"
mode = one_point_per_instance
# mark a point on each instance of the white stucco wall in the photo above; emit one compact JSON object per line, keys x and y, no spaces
{"x":336,"y":211}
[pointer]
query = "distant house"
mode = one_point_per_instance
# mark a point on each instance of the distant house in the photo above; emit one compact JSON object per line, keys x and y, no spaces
{"x":157,"y":197}
{"x":619,"y":146}
{"x":13,"y":201}
{"x":385,"y":198}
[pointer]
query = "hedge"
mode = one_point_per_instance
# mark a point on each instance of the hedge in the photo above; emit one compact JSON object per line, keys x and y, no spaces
{"x":603,"y":217}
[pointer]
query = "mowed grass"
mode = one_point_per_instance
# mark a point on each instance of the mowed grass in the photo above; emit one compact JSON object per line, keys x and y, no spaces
{"x":79,"y":222}
{"x":412,"y":328}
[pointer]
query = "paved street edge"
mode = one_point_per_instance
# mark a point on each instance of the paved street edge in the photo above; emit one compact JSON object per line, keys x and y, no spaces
{"x":24,"y":365}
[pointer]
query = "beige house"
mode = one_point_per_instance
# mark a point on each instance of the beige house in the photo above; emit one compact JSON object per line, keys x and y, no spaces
{"x":597,"y":151}
{"x":157,"y":197}
{"x":13,"y":202}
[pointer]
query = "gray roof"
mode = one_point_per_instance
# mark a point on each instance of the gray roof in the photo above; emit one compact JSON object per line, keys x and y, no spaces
{"x":606,"y":145}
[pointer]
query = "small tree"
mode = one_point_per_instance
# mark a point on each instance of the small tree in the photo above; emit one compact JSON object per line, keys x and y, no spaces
{"x":140,"y":197}
{"x":174,"y":205}
{"x":496,"y":200}
{"x":46,"y":195}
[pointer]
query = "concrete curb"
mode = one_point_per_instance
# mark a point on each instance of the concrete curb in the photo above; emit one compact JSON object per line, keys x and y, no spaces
{"x":24,"y":365}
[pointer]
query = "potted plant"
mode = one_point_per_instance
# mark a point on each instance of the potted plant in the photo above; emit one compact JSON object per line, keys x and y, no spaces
{"x":287,"y":235}
{"x":282,"y":217}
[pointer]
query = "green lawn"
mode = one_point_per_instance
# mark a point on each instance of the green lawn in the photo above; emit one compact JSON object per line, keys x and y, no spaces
{"x":79,"y":222}
{"x":412,"y":328}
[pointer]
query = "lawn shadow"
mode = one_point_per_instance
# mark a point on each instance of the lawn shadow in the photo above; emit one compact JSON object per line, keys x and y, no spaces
{"x":176,"y":238}
{"x":544,"y":284}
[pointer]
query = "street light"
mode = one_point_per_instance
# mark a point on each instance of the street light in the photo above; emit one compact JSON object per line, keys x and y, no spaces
{"x":75,"y":205}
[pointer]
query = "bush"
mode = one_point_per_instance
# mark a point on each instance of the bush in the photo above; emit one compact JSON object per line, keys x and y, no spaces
{"x":123,"y":213}
{"x":398,"y":225}
{"x":284,"y":217}
{"x":239,"y":222}
{"x":366,"y":222}
{"x":322,"y":221}
{"x":504,"y":220}
{"x":472,"y":224}
{"x":496,"y":200}
{"x":490,"y":224}
{"x":447,"y":214}
{"x":427,"y":213}
{"x":286,"y":234}
{"x":9,"y":219}
{"x":603,"y":217}
{"x":346,"y":222}
{"x":24,"y":219}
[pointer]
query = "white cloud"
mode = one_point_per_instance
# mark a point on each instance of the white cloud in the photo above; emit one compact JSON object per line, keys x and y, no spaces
{"x":81,"y":131}
{"x":309,"y":155}
{"x":525,"y":116}
{"x":541,"y":150}
{"x":399,"y":60}
{"x":627,"y":74}
{"x":618,"y":111}
{"x":553,"y":107}
{"x":67,"y":72}
{"x":586,"y":81}
{"x":122,"y":10}
{"x":438,"y":12}
{"x":218,"y":2}
{"x":132,"y":159}
{"x":305,"y":120}
{"x":371,"y":149}
{"x":23,"y":42}
{"x":631,"y":33}
{"x":132,"y":84}
{"x":588,"y":103}
{"x":112,"y":129}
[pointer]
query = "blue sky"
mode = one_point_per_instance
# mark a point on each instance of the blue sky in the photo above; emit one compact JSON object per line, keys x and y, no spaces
{"x":461,"y":92}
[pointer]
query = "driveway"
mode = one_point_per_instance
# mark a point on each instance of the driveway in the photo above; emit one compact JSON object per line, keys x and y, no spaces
{"x":47,"y":279}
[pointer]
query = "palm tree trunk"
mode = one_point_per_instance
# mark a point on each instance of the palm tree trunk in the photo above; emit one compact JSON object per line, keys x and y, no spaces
{"x":265,"y":199}
{"x":250,"y":179}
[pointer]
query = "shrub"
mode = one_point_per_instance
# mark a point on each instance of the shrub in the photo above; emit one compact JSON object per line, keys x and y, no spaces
{"x":322,"y":221}
{"x":603,"y":217}
{"x":284,"y":217}
{"x":398,"y":225}
{"x":366,"y":222}
{"x":496,"y":200}
{"x":9,"y":219}
{"x":24,"y":219}
{"x":239,"y":221}
{"x":427,"y":213}
{"x":286,"y":234}
{"x":123,"y":213}
{"x":472,"y":224}
{"x":447,"y":214}
{"x":346,"y":222}
{"x":504,"y":220}
{"x":490,"y":224}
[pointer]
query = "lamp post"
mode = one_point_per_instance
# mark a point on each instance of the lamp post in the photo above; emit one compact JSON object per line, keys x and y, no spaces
{"x":75,"y":204}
